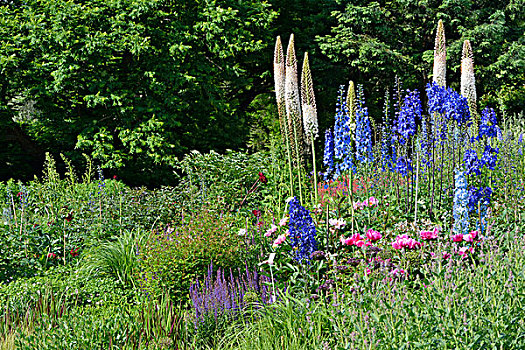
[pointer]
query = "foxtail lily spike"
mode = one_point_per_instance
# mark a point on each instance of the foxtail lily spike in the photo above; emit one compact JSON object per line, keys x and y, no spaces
{"x":468,"y":81}
{"x":293,"y":105}
{"x":440,"y":56}
{"x":279,"y":77}
{"x":311,"y":127}
{"x":279,"y":71}
{"x":352,"y":108}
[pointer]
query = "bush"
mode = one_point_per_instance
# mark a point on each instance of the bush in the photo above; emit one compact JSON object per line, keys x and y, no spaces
{"x":171,"y":259}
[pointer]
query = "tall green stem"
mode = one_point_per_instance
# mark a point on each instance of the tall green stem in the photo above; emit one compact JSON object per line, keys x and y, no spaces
{"x":314,"y":166}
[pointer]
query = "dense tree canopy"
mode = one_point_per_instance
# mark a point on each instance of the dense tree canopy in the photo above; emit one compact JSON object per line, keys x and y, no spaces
{"x":131,"y":80}
{"x":376,"y":40}
{"x":135,"y":83}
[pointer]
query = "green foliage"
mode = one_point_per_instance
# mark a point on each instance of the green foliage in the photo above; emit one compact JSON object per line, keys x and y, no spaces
{"x":116,"y":258}
{"x":224,"y":180}
{"x":459,"y":306}
{"x":375,"y":41}
{"x":131,"y":82}
{"x":62,"y":286}
{"x":172,"y":259}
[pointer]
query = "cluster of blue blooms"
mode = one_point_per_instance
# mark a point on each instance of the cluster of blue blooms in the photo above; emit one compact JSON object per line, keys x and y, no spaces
{"x":489,"y":124}
{"x":406,"y":121}
{"x":460,"y":209}
{"x":363,"y":132}
{"x":342,"y":135}
{"x":328,"y":158}
{"x":302,"y":231}
{"x":478,"y":202}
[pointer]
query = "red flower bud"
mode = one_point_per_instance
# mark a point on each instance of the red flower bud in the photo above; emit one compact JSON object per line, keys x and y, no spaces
{"x":262,"y":178}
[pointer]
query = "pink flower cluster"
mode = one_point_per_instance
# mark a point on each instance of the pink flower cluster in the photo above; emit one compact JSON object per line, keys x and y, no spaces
{"x":271,"y":230}
{"x":371,"y":202}
{"x":359,"y":241}
{"x":403,"y":241}
{"x":429,"y":235}
{"x":467,"y":238}
{"x":279,"y":240}
{"x":355,"y":239}
{"x":373,"y":235}
{"x":337,"y":223}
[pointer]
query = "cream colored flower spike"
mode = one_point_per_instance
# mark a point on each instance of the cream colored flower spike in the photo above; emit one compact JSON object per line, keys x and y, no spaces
{"x":440,"y":56}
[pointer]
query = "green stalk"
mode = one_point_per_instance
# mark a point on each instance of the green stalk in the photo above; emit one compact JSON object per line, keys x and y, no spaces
{"x":417,"y":183}
{"x":289,"y":156}
{"x":315,"y":169}
{"x":298,"y":163}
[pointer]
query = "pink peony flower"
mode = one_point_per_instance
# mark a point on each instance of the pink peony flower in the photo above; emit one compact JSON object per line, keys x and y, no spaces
{"x":403,"y":241}
{"x":360,"y":243}
{"x":372,"y":201}
{"x":271,"y":230}
{"x":429,"y":235}
{"x":352,"y":240}
{"x":337,"y":223}
{"x":465,"y":250}
{"x":373,"y":235}
{"x":468,"y":238}
{"x":457,"y":238}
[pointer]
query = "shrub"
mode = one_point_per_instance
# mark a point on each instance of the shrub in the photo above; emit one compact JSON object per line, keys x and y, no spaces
{"x":171,"y":259}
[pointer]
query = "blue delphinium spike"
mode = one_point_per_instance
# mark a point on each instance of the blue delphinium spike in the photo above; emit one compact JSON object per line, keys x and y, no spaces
{"x":411,"y":109}
{"x":489,"y":124}
{"x":363,"y":132}
{"x":460,"y":210}
{"x":328,"y":159}
{"x":471,"y":163}
{"x":302,"y":231}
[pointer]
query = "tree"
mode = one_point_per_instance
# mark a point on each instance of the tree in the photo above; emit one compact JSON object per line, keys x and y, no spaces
{"x":133,"y":82}
{"x":375,"y":41}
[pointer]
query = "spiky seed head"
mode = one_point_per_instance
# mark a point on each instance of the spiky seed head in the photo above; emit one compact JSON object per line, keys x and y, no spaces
{"x":279,"y":77}
{"x":311,"y":127}
{"x":351,"y":104}
{"x":440,"y":56}
{"x":468,"y":80}
{"x":292,"y":101}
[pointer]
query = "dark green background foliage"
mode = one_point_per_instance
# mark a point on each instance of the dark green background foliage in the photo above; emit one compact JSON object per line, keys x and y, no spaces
{"x":375,"y":41}
{"x":137,"y":83}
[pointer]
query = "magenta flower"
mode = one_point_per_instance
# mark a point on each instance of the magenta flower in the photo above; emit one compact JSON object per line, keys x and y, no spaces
{"x":372,"y":201}
{"x":403,"y":241}
{"x":373,"y":235}
{"x":271,"y":230}
{"x":429,"y":235}
{"x":457,"y":237}
{"x":352,"y":240}
{"x":446,"y":255}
